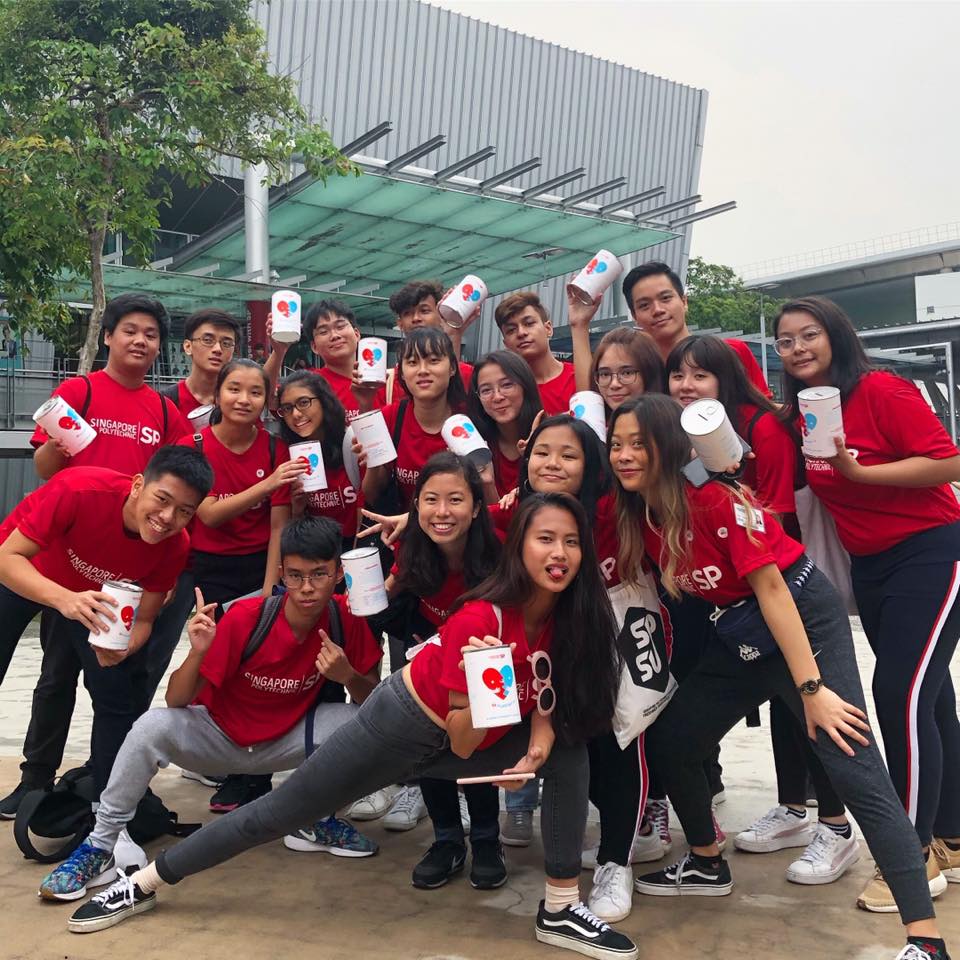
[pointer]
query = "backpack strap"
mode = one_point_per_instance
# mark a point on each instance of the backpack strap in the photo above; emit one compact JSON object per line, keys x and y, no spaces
{"x":198,"y":441}
{"x":751,"y":425}
{"x":166,"y":413}
{"x":269,"y":611}
{"x":89,"y":396}
{"x":336,"y":624}
{"x":21,"y":830}
{"x":398,"y":424}
{"x":336,"y":635}
{"x":172,"y":392}
{"x":272,"y":442}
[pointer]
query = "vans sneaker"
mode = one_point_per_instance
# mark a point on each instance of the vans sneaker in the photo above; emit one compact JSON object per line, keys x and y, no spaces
{"x":118,"y":902}
{"x":687,"y":877}
{"x":826,"y":858}
{"x":407,"y":809}
{"x":373,"y":806}
{"x":87,"y":866}
{"x":331,"y":835}
{"x":576,"y":928}
{"x":912,"y":952}
{"x":611,"y":897}
{"x":777,"y":829}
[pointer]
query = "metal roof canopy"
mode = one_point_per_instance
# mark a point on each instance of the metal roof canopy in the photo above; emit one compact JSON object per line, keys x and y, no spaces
{"x":398,"y":221}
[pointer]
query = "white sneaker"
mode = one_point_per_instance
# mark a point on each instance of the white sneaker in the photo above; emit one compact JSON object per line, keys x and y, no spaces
{"x":407,"y":809}
{"x":912,"y":952}
{"x":775,"y":830}
{"x":658,"y":813}
{"x":373,"y":806}
{"x":826,"y":858}
{"x":129,"y":856}
{"x":648,"y":847}
{"x":611,"y":897}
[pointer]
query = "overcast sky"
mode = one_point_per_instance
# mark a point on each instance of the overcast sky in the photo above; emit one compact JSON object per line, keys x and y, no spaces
{"x":828,"y":123}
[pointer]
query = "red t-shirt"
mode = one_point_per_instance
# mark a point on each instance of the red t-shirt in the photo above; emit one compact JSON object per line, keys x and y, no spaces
{"x":605,"y":540}
{"x":720,"y":553}
{"x":400,"y":390}
{"x":262,"y":698}
{"x":885,"y":419}
{"x":415,"y":448}
{"x":129,"y":423}
{"x":435,"y":670}
{"x":749,"y":361}
{"x":186,"y":401}
{"x":233,"y":473}
{"x":341,"y":501}
{"x":341,"y":387}
{"x":506,"y":473}
{"x":772,"y":474}
{"x":555,"y":394}
{"x":436,"y":607}
{"x":76,"y":518}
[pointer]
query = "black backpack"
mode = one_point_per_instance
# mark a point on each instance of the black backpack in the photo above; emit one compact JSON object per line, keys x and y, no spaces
{"x":63,"y":813}
{"x":85,"y":406}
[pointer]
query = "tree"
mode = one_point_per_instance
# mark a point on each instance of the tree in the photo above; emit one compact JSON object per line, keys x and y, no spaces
{"x":718,"y":298}
{"x":98,"y":98}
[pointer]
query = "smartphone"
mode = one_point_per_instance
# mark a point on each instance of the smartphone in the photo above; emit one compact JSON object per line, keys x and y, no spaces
{"x":465,"y":781}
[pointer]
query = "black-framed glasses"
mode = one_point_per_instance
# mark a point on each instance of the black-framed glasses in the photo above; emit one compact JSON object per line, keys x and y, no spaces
{"x":301,"y":404}
{"x":295,"y":580}
{"x":209,"y":340}
{"x":505,"y":387}
{"x":542,"y":668}
{"x":785,"y":345}
{"x":626,"y":376}
{"x":338,"y":326}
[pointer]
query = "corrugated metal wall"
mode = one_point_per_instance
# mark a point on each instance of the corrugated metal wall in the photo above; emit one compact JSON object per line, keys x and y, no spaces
{"x":430,"y":71}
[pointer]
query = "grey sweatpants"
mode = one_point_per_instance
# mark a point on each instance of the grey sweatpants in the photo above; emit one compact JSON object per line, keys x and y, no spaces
{"x":391,"y":739}
{"x":188,"y":737}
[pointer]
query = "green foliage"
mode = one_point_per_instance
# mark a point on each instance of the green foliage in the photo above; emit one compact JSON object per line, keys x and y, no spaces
{"x":98,"y":98}
{"x":718,"y":298}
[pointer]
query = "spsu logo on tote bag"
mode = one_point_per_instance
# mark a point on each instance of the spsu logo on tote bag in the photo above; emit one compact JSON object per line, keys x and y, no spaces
{"x":646,"y":684}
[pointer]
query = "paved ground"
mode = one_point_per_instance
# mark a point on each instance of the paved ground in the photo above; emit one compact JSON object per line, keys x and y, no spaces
{"x":274,"y":903}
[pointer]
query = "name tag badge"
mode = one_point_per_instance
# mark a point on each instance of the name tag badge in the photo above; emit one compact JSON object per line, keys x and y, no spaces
{"x":756,"y":517}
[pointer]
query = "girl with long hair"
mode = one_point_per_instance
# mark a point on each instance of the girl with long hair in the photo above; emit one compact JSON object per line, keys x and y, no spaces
{"x":888,"y":490}
{"x":782,"y":631}
{"x":310,"y":410}
{"x":545,"y":597}
{"x":625,"y":364}
{"x":430,"y":373}
{"x":503,"y":401}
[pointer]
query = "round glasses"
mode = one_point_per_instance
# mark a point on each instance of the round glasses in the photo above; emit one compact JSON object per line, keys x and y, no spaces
{"x":504,"y":387}
{"x":626,"y":376}
{"x":301,"y":404}
{"x":785,"y":345}
{"x":542,"y":668}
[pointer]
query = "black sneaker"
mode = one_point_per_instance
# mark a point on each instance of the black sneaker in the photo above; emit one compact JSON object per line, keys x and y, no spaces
{"x":687,"y":877}
{"x":119,"y":901}
{"x":487,"y":870}
{"x":441,"y":862}
{"x":238,"y":789}
{"x":10,"y":804}
{"x":576,"y":928}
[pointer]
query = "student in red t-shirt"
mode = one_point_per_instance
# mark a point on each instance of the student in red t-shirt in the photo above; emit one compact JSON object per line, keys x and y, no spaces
{"x":259,"y":713}
{"x":310,"y":411}
{"x":526,"y":329}
{"x":84,"y":527}
{"x":210,"y":336}
{"x":782,"y":630}
{"x":330,"y":327}
{"x":503,"y":403}
{"x":546,"y":589}
{"x":449,"y":547}
{"x":888,"y":490}
{"x":658,"y":305}
{"x":131,"y":419}
{"x":428,"y":369}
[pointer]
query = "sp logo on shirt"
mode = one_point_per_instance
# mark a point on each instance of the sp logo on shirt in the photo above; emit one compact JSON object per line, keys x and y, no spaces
{"x":644,"y":649}
{"x":149,"y":436}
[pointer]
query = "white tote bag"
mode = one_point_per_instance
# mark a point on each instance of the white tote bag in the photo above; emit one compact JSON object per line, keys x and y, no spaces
{"x":819,"y":534}
{"x":646,"y":684}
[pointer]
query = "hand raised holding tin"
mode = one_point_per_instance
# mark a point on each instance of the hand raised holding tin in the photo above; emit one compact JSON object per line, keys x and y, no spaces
{"x":286,"y":473}
{"x":579,"y":314}
{"x":478,"y":643}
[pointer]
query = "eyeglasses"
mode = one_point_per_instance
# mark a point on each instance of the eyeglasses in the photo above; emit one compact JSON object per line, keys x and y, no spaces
{"x":209,"y":340}
{"x":785,"y":345}
{"x":301,"y":404}
{"x":542,"y":669}
{"x":295,"y":580}
{"x":341,"y":326}
{"x":505,"y":387}
{"x":626,"y":376}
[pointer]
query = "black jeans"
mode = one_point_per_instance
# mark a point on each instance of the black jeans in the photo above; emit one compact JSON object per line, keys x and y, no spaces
{"x":615,"y":790}
{"x":16,"y":612}
{"x":724,"y":688}
{"x":443,"y":805}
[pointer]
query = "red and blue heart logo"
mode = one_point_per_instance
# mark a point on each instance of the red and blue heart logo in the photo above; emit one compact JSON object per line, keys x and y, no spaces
{"x":463,"y":430}
{"x":499,"y":681}
{"x":128,"y":616}
{"x":578,"y":411}
{"x":596,"y":266}
{"x":287,"y":307}
{"x":470,"y":293}
{"x":370,"y":357}
{"x":808,"y":423}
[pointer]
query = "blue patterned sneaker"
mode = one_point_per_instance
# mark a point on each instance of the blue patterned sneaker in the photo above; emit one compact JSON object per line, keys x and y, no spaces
{"x":332,"y":835}
{"x":86,"y":867}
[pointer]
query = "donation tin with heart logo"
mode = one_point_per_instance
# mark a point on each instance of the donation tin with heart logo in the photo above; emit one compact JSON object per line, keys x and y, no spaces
{"x":127,"y":595}
{"x":821,"y":419}
{"x":459,"y":304}
{"x":372,"y":360}
{"x":463,"y":438}
{"x":285,"y":313}
{"x":595,"y":277}
{"x":63,"y":423}
{"x":311,"y":453}
{"x":491,"y":686}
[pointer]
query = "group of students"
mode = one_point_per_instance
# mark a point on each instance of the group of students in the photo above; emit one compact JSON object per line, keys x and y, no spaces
{"x":552,"y":548}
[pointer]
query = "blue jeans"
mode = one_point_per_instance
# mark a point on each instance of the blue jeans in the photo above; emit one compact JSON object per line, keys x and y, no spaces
{"x":525,"y":799}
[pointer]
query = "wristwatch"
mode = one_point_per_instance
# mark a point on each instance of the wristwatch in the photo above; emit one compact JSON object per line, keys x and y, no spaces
{"x":809,"y":687}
